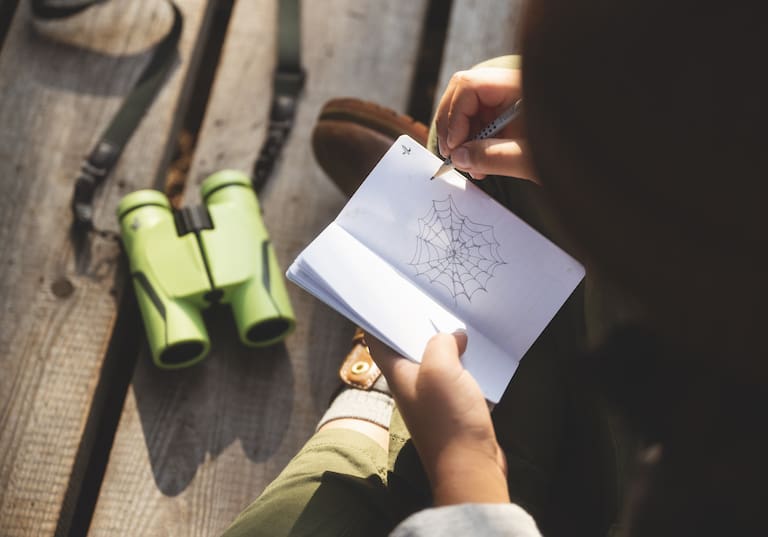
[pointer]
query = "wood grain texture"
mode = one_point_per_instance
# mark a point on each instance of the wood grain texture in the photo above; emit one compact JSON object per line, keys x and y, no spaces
{"x":194,"y":447}
{"x":479,"y":30}
{"x":57,"y":313}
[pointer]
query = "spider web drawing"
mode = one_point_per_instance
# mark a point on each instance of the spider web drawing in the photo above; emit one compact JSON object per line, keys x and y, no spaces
{"x":455,"y":252}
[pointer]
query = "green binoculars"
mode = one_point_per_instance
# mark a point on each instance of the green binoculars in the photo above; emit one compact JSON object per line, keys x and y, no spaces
{"x":182,"y":261}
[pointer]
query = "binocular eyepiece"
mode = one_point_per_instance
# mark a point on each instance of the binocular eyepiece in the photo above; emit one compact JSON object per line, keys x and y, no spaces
{"x":183,"y":261}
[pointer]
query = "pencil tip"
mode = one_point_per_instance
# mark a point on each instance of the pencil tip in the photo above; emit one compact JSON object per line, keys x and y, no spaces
{"x":441,"y":170}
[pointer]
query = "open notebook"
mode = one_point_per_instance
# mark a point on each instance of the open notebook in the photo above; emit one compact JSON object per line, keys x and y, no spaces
{"x":408,"y":257}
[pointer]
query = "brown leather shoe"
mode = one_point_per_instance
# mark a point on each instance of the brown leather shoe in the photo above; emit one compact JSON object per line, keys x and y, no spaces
{"x":351,"y":136}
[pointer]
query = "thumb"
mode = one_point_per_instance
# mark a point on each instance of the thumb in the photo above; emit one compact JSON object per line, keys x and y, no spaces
{"x":443,"y":351}
{"x":495,"y":156}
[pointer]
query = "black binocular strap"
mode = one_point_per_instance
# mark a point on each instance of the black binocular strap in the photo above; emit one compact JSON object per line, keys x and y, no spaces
{"x":99,"y":163}
{"x":287,"y":85}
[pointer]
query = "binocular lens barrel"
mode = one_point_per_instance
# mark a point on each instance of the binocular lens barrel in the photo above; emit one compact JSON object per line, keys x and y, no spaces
{"x":260,"y":319}
{"x":260,"y":303}
{"x":175,"y":330}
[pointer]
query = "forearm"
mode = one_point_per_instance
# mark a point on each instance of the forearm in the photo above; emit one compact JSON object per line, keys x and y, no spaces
{"x":468,"y":476}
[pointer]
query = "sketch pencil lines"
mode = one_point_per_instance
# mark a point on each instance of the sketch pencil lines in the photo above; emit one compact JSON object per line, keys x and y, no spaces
{"x":454,"y":251}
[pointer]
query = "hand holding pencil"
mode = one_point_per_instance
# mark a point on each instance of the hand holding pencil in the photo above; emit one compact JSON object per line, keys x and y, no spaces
{"x":473,"y":101}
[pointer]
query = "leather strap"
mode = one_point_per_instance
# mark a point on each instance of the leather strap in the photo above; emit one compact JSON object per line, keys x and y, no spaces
{"x":358,"y":369}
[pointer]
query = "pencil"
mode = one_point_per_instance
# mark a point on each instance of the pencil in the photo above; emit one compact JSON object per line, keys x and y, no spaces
{"x":490,"y":130}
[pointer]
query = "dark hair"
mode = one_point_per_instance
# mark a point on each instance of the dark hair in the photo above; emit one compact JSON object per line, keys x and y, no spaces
{"x":647,"y":122}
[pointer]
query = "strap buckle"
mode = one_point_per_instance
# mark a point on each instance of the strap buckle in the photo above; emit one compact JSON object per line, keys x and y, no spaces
{"x":287,"y":88}
{"x":93,"y":171}
{"x":289,"y":81}
{"x":82,"y":199}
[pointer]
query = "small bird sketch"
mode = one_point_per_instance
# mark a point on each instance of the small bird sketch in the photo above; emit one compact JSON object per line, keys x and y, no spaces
{"x":406,"y":149}
{"x":454,"y":251}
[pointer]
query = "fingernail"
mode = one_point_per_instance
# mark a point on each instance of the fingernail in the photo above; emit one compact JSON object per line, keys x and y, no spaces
{"x":452,"y":141}
{"x":460,"y":157}
{"x":460,"y":336}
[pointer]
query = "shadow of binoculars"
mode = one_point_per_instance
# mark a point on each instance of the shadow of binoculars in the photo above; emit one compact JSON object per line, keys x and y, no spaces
{"x":183,"y":261}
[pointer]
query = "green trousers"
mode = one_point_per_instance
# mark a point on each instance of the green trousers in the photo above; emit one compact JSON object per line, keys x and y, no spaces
{"x":567,"y":454}
{"x":340,"y":483}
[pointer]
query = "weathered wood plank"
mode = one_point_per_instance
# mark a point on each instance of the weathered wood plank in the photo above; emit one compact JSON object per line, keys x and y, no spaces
{"x":479,"y":30}
{"x":57,"y":315}
{"x":194,"y":447}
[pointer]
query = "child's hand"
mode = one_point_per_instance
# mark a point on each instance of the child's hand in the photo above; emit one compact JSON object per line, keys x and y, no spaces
{"x":448,"y":419}
{"x":473,"y":99}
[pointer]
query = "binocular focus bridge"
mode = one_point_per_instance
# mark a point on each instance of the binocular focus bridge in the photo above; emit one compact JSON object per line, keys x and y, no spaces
{"x":192,"y":219}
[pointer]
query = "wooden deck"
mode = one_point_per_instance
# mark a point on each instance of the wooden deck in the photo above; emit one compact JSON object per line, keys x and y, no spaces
{"x":192,"y":447}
